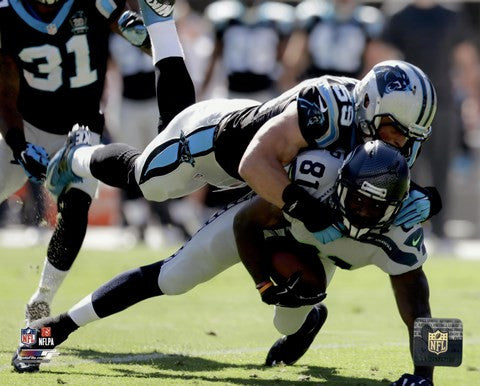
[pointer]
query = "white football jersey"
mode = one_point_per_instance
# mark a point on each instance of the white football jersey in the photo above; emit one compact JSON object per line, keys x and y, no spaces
{"x":394,"y":252}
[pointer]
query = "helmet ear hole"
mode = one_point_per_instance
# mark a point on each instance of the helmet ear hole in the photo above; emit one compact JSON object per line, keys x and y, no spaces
{"x":366,"y":101}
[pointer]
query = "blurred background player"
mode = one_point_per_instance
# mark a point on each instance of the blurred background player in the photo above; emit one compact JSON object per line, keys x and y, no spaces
{"x":250,"y":38}
{"x":53,"y":63}
{"x":55,"y":66}
{"x":332,"y":37}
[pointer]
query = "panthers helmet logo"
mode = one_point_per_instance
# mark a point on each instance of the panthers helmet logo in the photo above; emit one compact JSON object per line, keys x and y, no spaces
{"x":391,"y":79}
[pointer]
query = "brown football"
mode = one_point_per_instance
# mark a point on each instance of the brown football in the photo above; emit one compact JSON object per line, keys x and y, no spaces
{"x":285,"y":263}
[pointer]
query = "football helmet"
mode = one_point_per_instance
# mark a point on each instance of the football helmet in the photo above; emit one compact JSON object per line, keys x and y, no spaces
{"x":372,"y":183}
{"x":400,"y":91}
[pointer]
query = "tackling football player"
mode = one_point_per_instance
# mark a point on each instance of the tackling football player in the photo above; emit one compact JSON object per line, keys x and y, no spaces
{"x":229,"y":142}
{"x":370,"y":239}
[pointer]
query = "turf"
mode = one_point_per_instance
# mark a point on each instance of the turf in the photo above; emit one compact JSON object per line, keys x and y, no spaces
{"x":219,"y":333}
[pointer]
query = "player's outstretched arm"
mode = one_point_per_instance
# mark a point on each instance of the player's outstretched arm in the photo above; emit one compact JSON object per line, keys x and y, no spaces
{"x":412,"y":295}
{"x":275,"y":145}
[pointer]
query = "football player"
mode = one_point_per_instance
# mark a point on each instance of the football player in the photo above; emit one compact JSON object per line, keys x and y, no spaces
{"x":53,"y":56}
{"x":332,"y":37}
{"x":372,"y":184}
{"x":250,"y":38}
{"x":399,"y":251}
{"x":227,"y":142}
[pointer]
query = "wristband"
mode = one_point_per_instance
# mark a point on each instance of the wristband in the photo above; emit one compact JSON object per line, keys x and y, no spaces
{"x":263,"y":286}
{"x":15,"y":138}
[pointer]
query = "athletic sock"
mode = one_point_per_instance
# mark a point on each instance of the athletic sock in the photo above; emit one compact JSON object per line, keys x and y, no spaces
{"x":50,"y":281}
{"x":165,"y":41}
{"x":81,"y":160}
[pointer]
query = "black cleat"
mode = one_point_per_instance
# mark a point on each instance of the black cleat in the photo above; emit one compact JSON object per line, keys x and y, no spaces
{"x":20,"y":366}
{"x":61,"y":327}
{"x":290,"y":348}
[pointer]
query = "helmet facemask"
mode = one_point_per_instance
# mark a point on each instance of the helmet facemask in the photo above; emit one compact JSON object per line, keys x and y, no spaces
{"x":48,"y":2}
{"x":372,"y":185}
{"x":363,"y":212}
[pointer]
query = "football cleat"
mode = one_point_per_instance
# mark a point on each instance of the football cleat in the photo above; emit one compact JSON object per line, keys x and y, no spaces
{"x":20,"y":366}
{"x":290,"y":348}
{"x":155,"y":11}
{"x":27,"y":358}
{"x":59,"y":170}
{"x":35,"y":311}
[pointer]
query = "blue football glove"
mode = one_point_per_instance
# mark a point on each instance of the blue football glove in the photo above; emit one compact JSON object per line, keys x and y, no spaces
{"x":412,"y":380}
{"x":330,"y":233}
{"x":132,"y":28}
{"x":34,"y":161}
{"x":415,"y":209}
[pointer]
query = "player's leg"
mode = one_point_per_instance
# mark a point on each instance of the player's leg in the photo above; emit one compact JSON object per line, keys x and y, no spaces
{"x":210,"y":251}
{"x":300,"y":326}
{"x":175,"y":89}
{"x":73,"y":205}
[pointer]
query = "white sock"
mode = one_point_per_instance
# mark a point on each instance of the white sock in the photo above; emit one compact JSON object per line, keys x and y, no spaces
{"x":165,"y":41}
{"x":81,"y":160}
{"x":83,"y":313}
{"x":50,"y":281}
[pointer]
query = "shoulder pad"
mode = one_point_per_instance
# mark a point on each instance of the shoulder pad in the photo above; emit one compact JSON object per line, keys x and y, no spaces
{"x":309,"y":10}
{"x":4,"y":3}
{"x":220,"y":12}
{"x":371,"y":18}
{"x":313,"y":112}
{"x":283,"y":15}
{"x":106,"y":7}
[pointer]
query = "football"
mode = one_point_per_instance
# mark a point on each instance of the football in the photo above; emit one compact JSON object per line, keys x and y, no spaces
{"x":286,"y":261}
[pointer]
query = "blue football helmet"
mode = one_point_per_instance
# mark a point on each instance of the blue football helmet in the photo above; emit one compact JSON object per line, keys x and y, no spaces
{"x":373,"y":182}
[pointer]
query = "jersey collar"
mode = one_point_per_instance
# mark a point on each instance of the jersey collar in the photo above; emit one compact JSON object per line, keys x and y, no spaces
{"x":48,"y":28}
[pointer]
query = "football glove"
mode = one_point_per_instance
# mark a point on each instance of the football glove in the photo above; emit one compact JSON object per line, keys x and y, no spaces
{"x":412,"y":380}
{"x":34,"y":161}
{"x":415,"y":209}
{"x":330,"y":233}
{"x":132,"y":28}
{"x":286,"y":295}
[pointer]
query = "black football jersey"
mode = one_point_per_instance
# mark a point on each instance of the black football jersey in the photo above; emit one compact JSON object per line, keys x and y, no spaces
{"x":62,"y":64}
{"x":325,"y":108}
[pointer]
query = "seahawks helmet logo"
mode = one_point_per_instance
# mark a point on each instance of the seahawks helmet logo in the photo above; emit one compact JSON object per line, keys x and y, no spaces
{"x":391,"y":79}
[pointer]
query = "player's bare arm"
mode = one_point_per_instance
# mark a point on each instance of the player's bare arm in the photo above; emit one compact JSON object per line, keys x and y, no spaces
{"x":249,"y":224}
{"x":412,"y":296}
{"x":273,"y":146}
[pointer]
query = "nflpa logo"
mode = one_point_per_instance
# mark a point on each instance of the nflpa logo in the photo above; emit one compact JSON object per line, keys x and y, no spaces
{"x":46,"y":332}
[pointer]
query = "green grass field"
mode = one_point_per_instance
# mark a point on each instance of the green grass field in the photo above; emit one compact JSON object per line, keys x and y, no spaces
{"x":219,"y":333}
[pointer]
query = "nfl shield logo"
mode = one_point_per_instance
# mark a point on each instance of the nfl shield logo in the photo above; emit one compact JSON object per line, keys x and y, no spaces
{"x":28,"y":336}
{"x":438,"y":342}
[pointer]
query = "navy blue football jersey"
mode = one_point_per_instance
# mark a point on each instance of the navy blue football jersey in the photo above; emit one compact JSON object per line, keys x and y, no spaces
{"x":62,"y":64}
{"x":325,"y":109}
